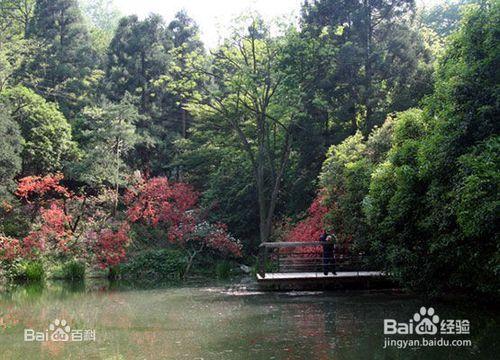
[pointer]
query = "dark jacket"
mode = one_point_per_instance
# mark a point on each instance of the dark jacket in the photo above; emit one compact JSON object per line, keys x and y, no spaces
{"x":327,"y":247}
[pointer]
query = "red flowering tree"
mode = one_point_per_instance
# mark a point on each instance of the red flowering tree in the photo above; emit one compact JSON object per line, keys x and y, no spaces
{"x":110,"y":245}
{"x":54,"y":232}
{"x":65,"y":225}
{"x":157,"y":202}
{"x":310,"y":228}
{"x":37,"y":191}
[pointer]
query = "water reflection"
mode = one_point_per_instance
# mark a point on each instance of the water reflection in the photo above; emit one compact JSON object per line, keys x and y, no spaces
{"x":193,"y":321}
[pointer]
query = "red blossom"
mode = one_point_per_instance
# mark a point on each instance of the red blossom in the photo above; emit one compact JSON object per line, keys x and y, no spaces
{"x":10,"y":248}
{"x":158,"y":200}
{"x":55,"y":230}
{"x":219,"y":239}
{"x":310,"y":228}
{"x":172,"y":206}
{"x":32,"y":188}
{"x":110,"y":246}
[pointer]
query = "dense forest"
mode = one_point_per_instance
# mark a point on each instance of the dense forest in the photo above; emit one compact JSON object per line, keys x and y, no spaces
{"x":126,"y":141}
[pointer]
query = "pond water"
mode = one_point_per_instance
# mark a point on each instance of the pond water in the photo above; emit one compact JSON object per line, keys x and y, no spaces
{"x":215,"y":322}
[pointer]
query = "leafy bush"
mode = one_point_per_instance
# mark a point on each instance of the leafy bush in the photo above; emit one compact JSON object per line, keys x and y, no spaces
{"x":29,"y":271}
{"x":73,"y":270}
{"x":345,"y":181}
{"x":163,"y":263}
{"x":223,"y":269}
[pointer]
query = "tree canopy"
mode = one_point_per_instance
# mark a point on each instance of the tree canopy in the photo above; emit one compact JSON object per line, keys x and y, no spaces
{"x":374,"y":120}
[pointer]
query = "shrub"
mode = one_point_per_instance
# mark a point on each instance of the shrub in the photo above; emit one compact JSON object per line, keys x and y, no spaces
{"x":223,"y":269}
{"x":29,"y":271}
{"x":163,"y":263}
{"x":73,"y":270}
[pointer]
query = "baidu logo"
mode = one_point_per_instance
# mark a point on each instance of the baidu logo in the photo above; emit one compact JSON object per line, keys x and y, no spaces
{"x":59,"y":330}
{"x":426,"y":322}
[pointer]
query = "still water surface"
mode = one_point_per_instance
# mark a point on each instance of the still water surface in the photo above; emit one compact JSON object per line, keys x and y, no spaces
{"x":212,"y":322}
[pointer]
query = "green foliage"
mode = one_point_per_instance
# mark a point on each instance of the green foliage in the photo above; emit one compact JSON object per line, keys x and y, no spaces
{"x":432,"y":205}
{"x":15,"y":16}
{"x":345,"y":180}
{"x":224,"y":176}
{"x":251,"y":107}
{"x":73,"y":270}
{"x":13,"y":54}
{"x":163,"y":263}
{"x":62,"y":66}
{"x":477,"y":201}
{"x":223,"y":269}
{"x":444,"y":18}
{"x":11,"y":147}
{"x":376,"y":64}
{"x":47,"y":133}
{"x":356,"y":62}
{"x":101,"y":14}
{"x":29,"y":271}
{"x":149,"y":60}
{"x":138,"y":55}
{"x":101,"y":17}
{"x":391,"y":198}
{"x":107,"y":135}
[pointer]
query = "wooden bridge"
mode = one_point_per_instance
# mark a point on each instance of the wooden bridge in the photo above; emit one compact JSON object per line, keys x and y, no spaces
{"x":300,"y":266}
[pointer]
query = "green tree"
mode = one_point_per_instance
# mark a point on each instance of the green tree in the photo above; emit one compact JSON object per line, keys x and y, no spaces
{"x":15,"y":16}
{"x":431,"y":203}
{"x":393,"y":200}
{"x":444,"y":18}
{"x":11,"y":147}
{"x":102,"y":19}
{"x":12,"y":56}
{"x":63,"y":65}
{"x":107,"y":134}
{"x":356,"y":61}
{"x":373,"y":61}
{"x":345,"y":182}
{"x":138,"y":57}
{"x":186,"y":47}
{"x":177,"y":84}
{"x":47,"y":133}
{"x":15,"y":48}
{"x":249,"y":98}
{"x":101,"y":14}
{"x":213,"y":162}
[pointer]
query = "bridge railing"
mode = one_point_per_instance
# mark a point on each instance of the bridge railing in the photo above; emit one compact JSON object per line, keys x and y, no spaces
{"x":291,"y":257}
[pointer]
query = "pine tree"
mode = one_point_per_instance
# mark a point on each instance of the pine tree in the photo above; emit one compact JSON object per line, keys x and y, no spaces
{"x":65,"y":59}
{"x":187,"y":44}
{"x":148,"y":59}
{"x":107,"y":134}
{"x":137,"y":56}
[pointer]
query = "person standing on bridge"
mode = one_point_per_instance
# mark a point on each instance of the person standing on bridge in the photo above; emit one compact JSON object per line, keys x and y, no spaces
{"x":328,"y":253}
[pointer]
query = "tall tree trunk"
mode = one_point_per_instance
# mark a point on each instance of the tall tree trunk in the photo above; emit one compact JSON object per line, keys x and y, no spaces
{"x":184,"y":125}
{"x":117,"y":170}
{"x":368,"y":66}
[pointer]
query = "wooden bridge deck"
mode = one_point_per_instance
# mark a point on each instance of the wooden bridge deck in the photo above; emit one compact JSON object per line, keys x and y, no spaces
{"x":285,"y":265}
{"x":318,"y":275}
